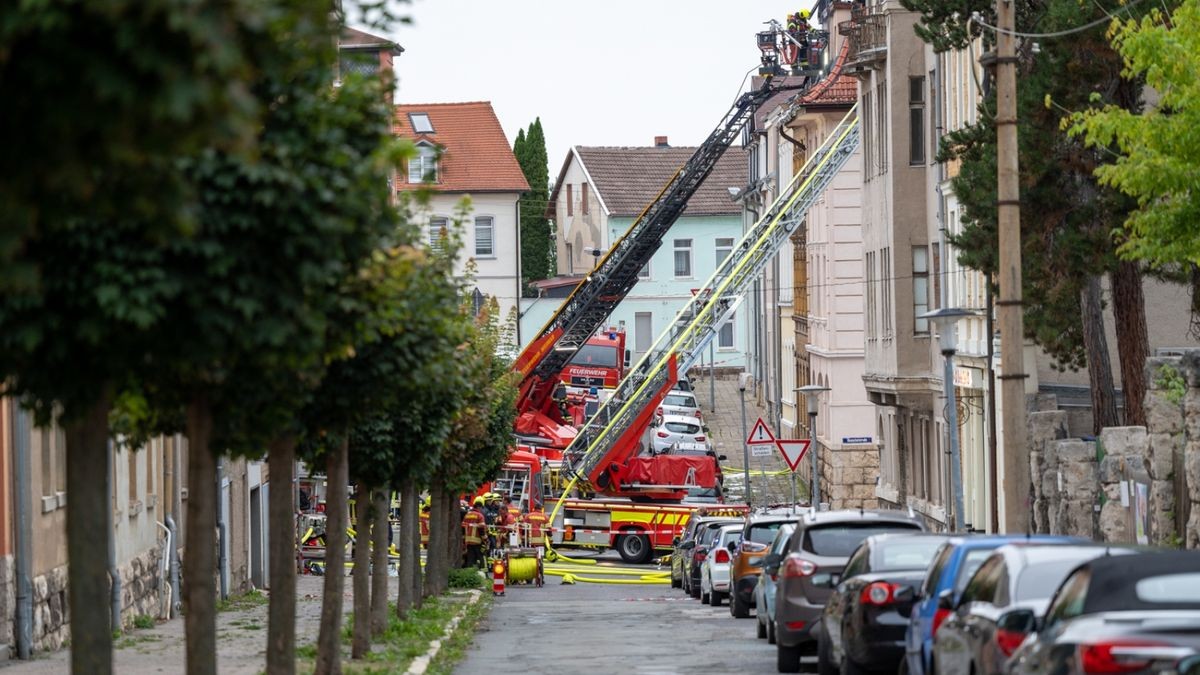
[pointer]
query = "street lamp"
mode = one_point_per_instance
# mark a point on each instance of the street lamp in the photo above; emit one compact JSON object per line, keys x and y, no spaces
{"x":946,"y":322}
{"x":743,"y":382}
{"x":811,"y":392}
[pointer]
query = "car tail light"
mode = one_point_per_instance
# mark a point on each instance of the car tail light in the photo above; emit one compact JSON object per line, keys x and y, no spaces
{"x":795,"y":566}
{"x":1121,"y":656}
{"x":700,"y":439}
{"x":722,"y":556}
{"x":662,"y":434}
{"x":878,"y":593}
{"x":938,"y":617}
{"x":1007,"y":641}
{"x":795,"y":625}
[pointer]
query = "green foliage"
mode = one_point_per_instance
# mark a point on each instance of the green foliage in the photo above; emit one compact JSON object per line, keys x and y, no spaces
{"x":1159,"y":148}
{"x":465,"y":578}
{"x":1171,"y":381}
{"x":144,"y":621}
{"x":537,"y":250}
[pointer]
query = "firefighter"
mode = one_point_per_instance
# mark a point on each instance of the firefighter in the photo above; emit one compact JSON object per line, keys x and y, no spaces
{"x":797,"y":28}
{"x":511,"y":515}
{"x":534,"y":526}
{"x":560,"y":398}
{"x":473,"y":526}
{"x":424,"y":522}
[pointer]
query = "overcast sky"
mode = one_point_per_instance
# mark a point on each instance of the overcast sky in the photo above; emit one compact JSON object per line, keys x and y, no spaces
{"x":618,"y":72}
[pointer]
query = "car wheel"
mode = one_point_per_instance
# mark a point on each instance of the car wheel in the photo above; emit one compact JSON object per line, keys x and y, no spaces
{"x":635,"y":549}
{"x":739,"y":608}
{"x":770,"y":632}
{"x":761,"y":631}
{"x":717,"y":599}
{"x":824,"y":658}
{"x":849,"y":667}
{"x":695,"y":590}
{"x":705,"y":598}
{"x":787,"y":659}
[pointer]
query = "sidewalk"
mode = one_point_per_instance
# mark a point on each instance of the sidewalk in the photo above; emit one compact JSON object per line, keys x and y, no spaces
{"x":725,"y":428}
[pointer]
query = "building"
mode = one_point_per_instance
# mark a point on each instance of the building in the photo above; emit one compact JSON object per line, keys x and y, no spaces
{"x":599,"y":194}
{"x":365,"y":54}
{"x":466,"y":163}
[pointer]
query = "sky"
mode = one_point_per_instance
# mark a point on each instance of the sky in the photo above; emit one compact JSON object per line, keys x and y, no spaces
{"x":618,"y":72}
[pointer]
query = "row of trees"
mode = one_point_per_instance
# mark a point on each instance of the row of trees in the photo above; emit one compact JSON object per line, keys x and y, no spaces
{"x":199,"y":235}
{"x":1080,"y":221}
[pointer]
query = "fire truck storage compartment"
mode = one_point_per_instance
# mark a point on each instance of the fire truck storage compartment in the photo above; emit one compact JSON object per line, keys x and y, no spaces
{"x":597,"y":519}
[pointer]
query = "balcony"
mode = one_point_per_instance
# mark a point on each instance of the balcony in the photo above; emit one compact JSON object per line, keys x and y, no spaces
{"x":866,"y":31}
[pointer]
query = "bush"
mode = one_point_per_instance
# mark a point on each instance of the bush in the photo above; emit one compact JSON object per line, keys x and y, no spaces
{"x":467,"y":577}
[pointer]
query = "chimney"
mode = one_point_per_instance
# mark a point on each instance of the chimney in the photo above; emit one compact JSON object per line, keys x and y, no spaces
{"x":661,"y":142}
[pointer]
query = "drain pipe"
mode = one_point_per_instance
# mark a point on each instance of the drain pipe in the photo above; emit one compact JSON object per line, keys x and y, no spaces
{"x":113,"y":575}
{"x":222,"y":550}
{"x":173,"y":568}
{"x":24,"y":531}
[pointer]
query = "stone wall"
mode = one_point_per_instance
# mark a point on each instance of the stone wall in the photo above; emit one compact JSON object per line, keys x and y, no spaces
{"x":50,"y":617}
{"x":141,"y":586}
{"x":1173,"y":426}
{"x":848,"y":478}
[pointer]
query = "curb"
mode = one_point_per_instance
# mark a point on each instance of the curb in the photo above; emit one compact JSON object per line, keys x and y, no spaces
{"x":421,"y":663}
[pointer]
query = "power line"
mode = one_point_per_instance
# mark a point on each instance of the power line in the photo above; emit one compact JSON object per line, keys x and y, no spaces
{"x":978,"y":18}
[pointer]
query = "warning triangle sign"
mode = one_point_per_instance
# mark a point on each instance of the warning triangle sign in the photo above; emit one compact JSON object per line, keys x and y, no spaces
{"x":793,"y":451}
{"x":760,"y":434}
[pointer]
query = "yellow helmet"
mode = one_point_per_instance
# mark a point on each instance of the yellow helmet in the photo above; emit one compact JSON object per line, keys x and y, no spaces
{"x":804,"y":14}
{"x":478,"y":501}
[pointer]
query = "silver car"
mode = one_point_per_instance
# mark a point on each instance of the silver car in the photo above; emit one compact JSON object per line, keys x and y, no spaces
{"x":714,"y":571}
{"x":680,"y":403}
{"x":764,"y":591}
{"x":676,"y":429}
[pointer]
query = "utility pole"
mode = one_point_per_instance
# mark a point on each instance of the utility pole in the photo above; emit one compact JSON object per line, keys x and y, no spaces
{"x":1012,"y":335}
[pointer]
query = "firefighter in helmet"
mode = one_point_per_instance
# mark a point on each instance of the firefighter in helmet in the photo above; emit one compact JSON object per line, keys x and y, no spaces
{"x":473,"y":533}
{"x":534,"y":527}
{"x":797,"y":29}
{"x":424,"y":522}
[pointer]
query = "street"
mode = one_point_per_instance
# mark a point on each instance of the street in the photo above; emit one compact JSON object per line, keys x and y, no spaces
{"x":613,"y":628}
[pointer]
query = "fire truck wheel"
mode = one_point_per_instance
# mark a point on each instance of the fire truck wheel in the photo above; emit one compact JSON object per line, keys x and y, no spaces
{"x":634,"y":548}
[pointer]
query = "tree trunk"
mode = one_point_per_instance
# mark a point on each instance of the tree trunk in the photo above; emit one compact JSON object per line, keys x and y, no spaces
{"x":380,"y":528}
{"x":410,"y":559}
{"x":414,"y":545}
{"x":1133,"y":345}
{"x":361,"y":639}
{"x":200,"y":568}
{"x":88,"y":530}
{"x":456,"y":534}
{"x":1104,"y":398}
{"x":436,"y":572}
{"x":329,"y":655}
{"x":281,"y":633}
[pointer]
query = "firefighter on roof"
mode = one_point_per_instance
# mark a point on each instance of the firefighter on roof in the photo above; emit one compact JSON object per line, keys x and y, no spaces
{"x":797,"y":29}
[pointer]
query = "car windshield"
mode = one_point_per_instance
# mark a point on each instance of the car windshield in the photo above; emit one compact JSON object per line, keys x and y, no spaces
{"x":682,"y":427}
{"x":599,"y":356}
{"x":682,"y":400}
{"x":764,"y":533}
{"x":970,"y":564}
{"x":1170,"y":588}
{"x":840,"y":539}
{"x":1039,"y":580}
{"x":910,"y":554}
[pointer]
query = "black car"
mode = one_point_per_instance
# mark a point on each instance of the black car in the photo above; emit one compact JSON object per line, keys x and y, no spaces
{"x":865,"y":619}
{"x":684,"y":544}
{"x":705,"y":537}
{"x":1120,"y":614}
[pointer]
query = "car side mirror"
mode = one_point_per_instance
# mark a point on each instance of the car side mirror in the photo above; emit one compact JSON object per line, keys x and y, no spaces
{"x":771,"y":560}
{"x":945,"y":600}
{"x":675,"y":541}
{"x":688,"y":544}
{"x":732,"y":546}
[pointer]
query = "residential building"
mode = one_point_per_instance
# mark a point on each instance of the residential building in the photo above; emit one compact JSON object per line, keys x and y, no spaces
{"x":599,"y":194}
{"x":464,"y":160}
{"x":365,"y":54}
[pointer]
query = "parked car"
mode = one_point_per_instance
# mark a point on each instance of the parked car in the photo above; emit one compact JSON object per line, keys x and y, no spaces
{"x":764,"y":589}
{"x":952,"y":567}
{"x":864,"y":620}
{"x":817,"y":552}
{"x":691,"y":567}
{"x":686,"y":541}
{"x":680,"y":403}
{"x":672,"y":429}
{"x":757,"y":535}
{"x":1116,"y":614}
{"x":1012,"y":586}
{"x":714,"y":571}
{"x":683,"y":384}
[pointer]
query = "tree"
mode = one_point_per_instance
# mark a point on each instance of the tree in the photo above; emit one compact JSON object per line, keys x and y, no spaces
{"x":1159,"y":157}
{"x":537,"y":251}
{"x":1067,"y":217}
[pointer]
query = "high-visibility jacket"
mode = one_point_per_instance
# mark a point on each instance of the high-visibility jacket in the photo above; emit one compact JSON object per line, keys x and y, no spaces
{"x":535,"y":524}
{"x":424,"y":524}
{"x":513,"y":514}
{"x":473,"y":524}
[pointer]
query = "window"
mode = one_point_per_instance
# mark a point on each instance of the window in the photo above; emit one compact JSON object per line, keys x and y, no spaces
{"x":420,"y":122}
{"x":1182,"y":587}
{"x":982,"y":587}
{"x":1069,"y":600}
{"x":916,"y":121}
{"x":969,"y":565}
{"x":484,"y":230}
{"x":357,"y":63}
{"x":885,"y":279}
{"x":599,"y":356}
{"x":423,"y":167}
{"x":881,"y":124}
{"x":920,"y":288}
{"x":857,"y":564}
{"x":725,"y":337}
{"x":570,"y":200}
{"x":152,"y":450}
{"x":644,"y":273}
{"x":871,"y":295}
{"x":570,"y":259}
{"x":48,"y":479}
{"x":936,"y":569}
{"x":643,"y":331}
{"x":583,"y":200}
{"x":437,"y":233}
{"x":908,"y":555}
{"x":131,"y":455}
{"x":683,"y":258}
{"x":60,"y":459}
{"x":840,"y":539}
{"x":724,"y":246}
{"x":937,"y":275}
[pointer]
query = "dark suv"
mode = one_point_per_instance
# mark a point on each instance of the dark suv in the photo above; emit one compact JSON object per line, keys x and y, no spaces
{"x":817,"y":553}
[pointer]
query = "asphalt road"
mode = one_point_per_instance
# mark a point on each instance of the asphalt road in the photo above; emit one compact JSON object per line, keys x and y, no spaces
{"x":610,"y":628}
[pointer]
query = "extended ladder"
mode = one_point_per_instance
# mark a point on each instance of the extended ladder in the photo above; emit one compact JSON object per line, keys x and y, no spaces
{"x":615,"y":430}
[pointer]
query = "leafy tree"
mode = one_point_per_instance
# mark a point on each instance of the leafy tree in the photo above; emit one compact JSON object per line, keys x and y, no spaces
{"x":1067,"y":217}
{"x":537,"y":253}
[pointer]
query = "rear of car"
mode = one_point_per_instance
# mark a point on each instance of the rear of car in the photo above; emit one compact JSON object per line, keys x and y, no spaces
{"x":817,"y":552}
{"x":680,"y":403}
{"x":764,"y":589}
{"x":699,"y":553}
{"x":676,"y":429}
{"x":757,"y":536}
{"x":684,"y":544}
{"x":714,"y":571}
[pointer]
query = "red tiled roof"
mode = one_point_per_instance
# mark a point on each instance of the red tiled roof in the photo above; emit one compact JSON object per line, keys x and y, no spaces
{"x":629,"y":178}
{"x":837,"y":89}
{"x":475,"y":157}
